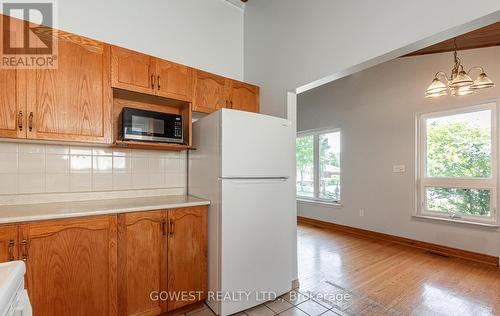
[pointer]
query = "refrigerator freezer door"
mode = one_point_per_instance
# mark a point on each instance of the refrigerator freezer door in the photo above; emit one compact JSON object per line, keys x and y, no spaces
{"x":256,"y":241}
{"x":255,"y":145}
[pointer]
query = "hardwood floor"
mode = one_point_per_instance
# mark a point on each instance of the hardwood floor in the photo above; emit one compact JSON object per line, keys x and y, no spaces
{"x":372,"y":277}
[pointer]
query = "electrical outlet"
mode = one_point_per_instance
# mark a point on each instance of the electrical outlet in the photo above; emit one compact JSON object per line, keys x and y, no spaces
{"x":399,"y":168}
{"x":361,"y":212}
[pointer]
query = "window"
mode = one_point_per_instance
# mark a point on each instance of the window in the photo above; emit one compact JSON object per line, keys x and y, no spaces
{"x":458,"y":165}
{"x":318,"y":166}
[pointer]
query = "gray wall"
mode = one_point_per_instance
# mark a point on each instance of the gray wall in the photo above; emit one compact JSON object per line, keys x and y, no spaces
{"x":376,"y":111}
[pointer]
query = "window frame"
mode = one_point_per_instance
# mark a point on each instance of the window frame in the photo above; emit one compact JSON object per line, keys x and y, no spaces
{"x":423,"y":181}
{"x":316,"y":159}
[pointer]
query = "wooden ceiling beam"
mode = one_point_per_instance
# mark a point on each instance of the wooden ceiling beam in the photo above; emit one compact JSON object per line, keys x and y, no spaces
{"x":484,"y":37}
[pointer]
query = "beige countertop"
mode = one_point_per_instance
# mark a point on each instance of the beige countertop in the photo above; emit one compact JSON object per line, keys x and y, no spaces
{"x":46,"y":211}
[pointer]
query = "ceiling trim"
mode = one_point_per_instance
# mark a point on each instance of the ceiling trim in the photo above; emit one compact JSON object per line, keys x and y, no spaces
{"x":237,"y":3}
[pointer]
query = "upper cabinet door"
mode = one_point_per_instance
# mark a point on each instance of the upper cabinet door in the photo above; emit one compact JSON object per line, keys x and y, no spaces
{"x":210,"y":92}
{"x":132,"y":71}
{"x":73,"y":101}
{"x":187,"y":254}
{"x":244,"y":96}
{"x":173,"y":80}
{"x":12,"y":97}
{"x":12,"y":104}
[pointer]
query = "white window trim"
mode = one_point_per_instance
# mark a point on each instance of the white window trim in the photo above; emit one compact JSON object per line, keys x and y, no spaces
{"x":472,"y":183}
{"x":315,"y":133}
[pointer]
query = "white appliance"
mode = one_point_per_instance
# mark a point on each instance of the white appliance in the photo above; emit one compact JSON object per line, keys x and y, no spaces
{"x":14,"y":299}
{"x":242,"y":163}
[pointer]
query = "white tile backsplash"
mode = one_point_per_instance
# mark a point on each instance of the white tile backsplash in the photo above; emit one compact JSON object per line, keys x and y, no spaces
{"x":31,"y":182}
{"x":80,"y":182}
{"x":102,"y":164}
{"x":122,"y":181}
{"x":57,"y":182}
{"x":81,"y":163}
{"x":31,"y":162}
{"x":9,"y":183}
{"x":9,"y":148}
{"x":102,"y":182}
{"x":56,"y":163}
{"x":40,"y":168}
{"x":8,"y":162}
{"x":32,"y":149}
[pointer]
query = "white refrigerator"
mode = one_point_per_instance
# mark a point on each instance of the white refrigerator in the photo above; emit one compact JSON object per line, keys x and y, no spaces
{"x":243,"y":164}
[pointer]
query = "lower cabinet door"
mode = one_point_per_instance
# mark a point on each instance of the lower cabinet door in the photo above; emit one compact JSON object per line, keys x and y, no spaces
{"x":142,"y":269}
{"x":187,"y":256}
{"x":8,"y":243}
{"x":71,"y":266}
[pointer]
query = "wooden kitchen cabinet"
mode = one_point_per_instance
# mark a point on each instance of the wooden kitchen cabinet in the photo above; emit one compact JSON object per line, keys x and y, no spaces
{"x":187,"y":253}
{"x":110,"y":265}
{"x":8,"y":243}
{"x":72,"y":102}
{"x":132,"y":71}
{"x":142,"y":264}
{"x":173,"y":80}
{"x":163,"y":251}
{"x":138,"y":72}
{"x":210,"y":92}
{"x":244,"y":96}
{"x":71,"y":266}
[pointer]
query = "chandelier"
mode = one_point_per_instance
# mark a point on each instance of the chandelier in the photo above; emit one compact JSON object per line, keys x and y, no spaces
{"x":460,"y":82}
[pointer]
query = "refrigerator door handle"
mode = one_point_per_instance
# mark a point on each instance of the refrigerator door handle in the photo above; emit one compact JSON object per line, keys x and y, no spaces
{"x":254,"y":178}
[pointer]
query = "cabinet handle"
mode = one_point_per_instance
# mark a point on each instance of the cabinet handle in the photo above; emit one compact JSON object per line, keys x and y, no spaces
{"x":20,"y":120}
{"x":164,"y":227}
{"x":171,"y":230}
{"x":24,"y":244}
{"x":231,"y":104}
{"x":152,"y":82}
{"x":158,"y":82}
{"x":30,"y":122}
{"x":11,"y":249}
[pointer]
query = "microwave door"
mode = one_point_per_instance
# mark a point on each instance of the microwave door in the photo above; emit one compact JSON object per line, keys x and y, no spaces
{"x":141,"y":125}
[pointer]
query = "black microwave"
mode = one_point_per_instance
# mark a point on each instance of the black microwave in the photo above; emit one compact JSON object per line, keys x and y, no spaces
{"x":142,"y":125}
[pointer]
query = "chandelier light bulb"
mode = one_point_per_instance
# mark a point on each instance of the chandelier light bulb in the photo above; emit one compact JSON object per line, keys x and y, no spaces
{"x":482,"y":82}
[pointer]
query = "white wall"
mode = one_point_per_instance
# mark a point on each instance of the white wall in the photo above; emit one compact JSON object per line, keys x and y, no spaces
{"x":376,"y":111}
{"x":206,"y":34}
{"x":290,"y":43}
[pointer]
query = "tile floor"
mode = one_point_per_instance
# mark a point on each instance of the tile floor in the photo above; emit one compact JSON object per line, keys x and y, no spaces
{"x":295,"y":303}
